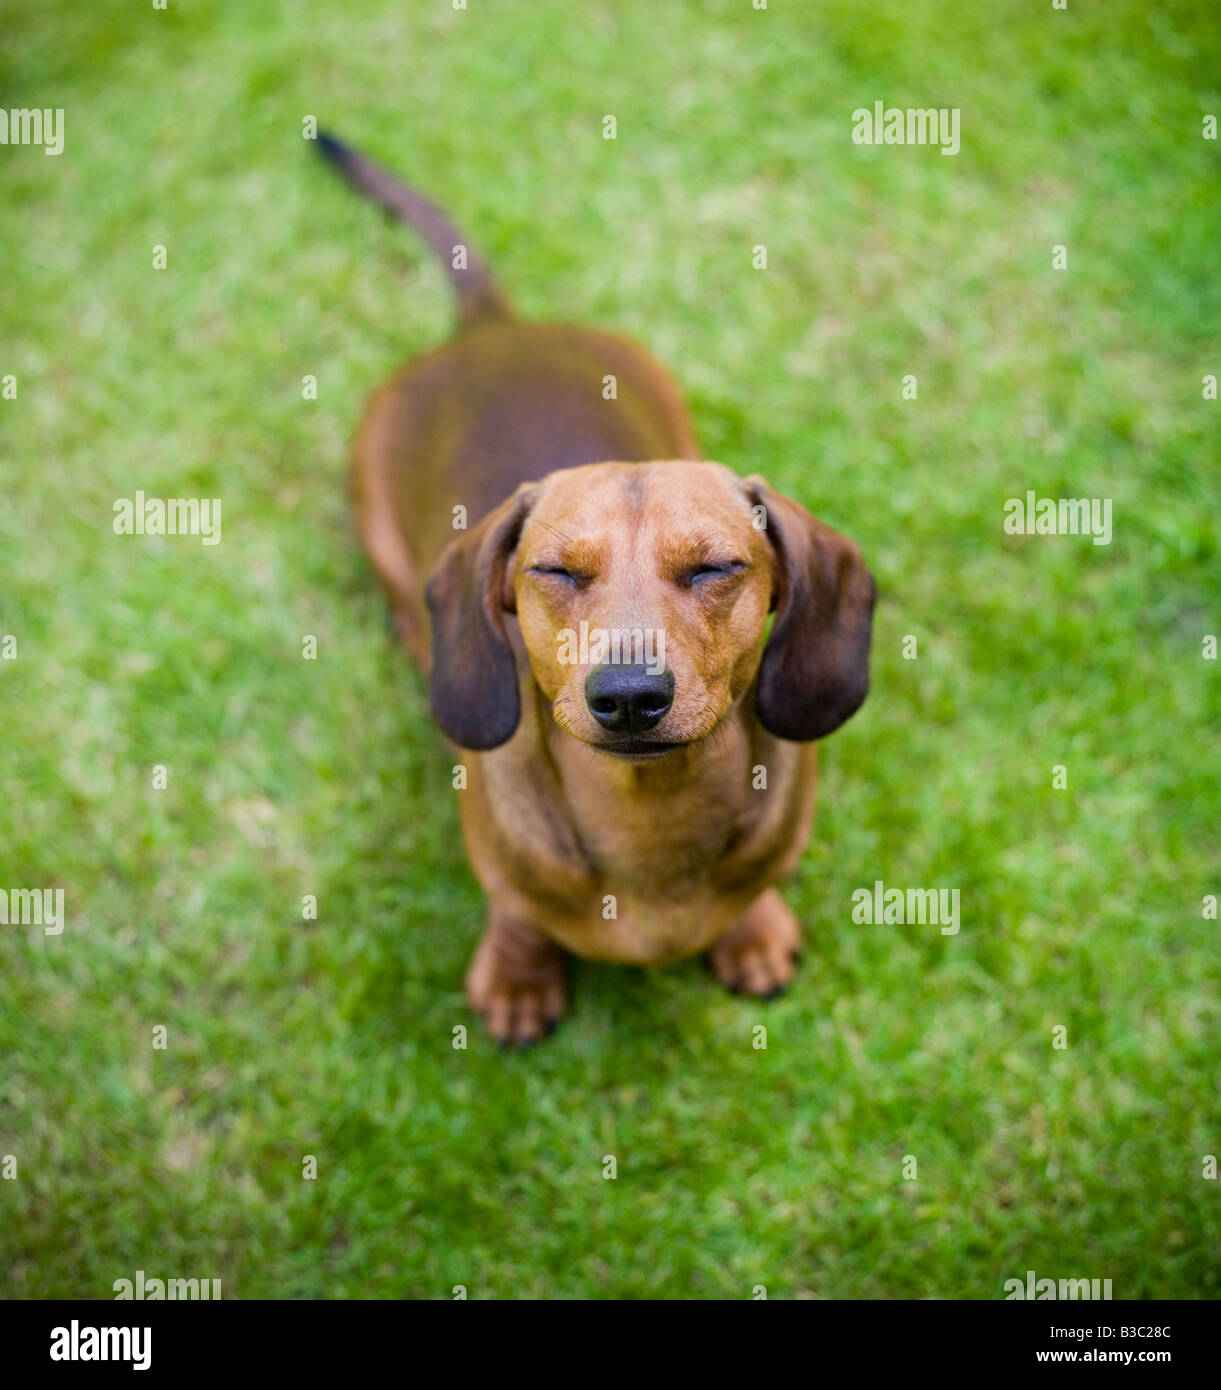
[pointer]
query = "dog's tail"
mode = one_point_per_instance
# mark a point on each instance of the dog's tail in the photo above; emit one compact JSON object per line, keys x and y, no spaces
{"x":479,"y":297}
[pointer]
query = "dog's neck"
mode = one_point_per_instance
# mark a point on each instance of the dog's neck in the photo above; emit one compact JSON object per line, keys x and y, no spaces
{"x":664,"y":817}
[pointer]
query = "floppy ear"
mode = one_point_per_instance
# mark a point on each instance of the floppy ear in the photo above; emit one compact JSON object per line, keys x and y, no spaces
{"x":815,"y":668}
{"x":472,"y":689}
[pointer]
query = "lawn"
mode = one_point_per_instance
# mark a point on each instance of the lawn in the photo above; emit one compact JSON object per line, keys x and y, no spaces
{"x":1082,"y":907}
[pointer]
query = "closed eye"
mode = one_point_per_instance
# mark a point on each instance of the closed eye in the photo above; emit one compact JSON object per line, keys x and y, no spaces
{"x":559,"y":572}
{"x":702,"y":574}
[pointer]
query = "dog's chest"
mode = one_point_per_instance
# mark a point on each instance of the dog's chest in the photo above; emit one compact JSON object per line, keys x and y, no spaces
{"x":638,"y":868}
{"x":663,"y":850}
{"x":655,"y":861}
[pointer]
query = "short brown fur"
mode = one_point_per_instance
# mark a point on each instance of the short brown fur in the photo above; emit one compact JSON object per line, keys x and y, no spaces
{"x":511,"y":422}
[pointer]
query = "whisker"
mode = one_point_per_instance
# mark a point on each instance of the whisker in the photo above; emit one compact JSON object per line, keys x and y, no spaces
{"x":555,"y":530}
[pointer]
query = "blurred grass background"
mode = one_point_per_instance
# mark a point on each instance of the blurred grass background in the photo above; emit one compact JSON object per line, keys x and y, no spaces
{"x":736,"y":1167}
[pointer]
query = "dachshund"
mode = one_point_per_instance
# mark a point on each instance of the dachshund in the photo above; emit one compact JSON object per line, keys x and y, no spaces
{"x":633,"y":647}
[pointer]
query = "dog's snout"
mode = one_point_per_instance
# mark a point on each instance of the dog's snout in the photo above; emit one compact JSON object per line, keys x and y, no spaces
{"x":628,"y":699}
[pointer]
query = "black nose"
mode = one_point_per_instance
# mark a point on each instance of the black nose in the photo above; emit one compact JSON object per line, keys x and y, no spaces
{"x":628,"y":699}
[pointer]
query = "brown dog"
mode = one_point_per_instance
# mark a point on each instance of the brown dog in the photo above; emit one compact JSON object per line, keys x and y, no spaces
{"x":641,"y":771}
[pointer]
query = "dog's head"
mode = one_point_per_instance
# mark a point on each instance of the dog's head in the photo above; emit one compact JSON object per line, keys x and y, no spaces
{"x":642,"y":591}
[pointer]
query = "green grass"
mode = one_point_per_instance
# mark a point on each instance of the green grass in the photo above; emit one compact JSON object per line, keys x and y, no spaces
{"x":736,"y":1167}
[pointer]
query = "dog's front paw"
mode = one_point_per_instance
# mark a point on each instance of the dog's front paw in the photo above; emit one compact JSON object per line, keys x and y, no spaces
{"x":759,"y":955}
{"x":516,"y":983}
